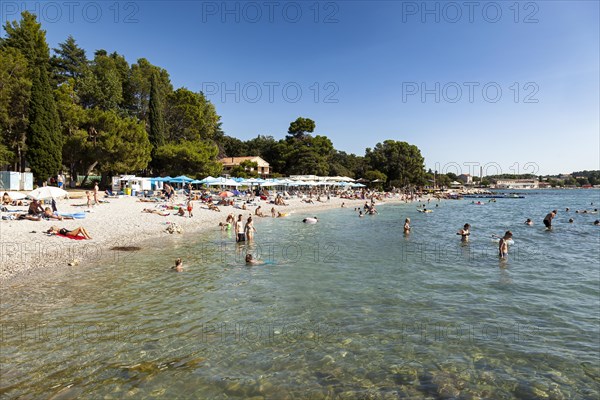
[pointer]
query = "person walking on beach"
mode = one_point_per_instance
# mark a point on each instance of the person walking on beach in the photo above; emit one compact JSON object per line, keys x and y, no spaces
{"x":407,"y":226}
{"x":464,"y":233}
{"x":96,"y":188}
{"x":190,"y":207}
{"x":60,"y":180}
{"x":89,"y":198}
{"x":503,"y":245}
{"x":240,"y":236}
{"x":548,"y":219}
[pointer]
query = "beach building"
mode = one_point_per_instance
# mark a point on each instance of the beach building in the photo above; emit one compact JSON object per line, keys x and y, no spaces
{"x":229,"y":163}
{"x":517,"y":184}
{"x":466,"y":179}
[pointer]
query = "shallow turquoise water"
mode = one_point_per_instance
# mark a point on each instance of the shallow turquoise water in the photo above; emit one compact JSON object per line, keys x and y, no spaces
{"x":347,"y":308}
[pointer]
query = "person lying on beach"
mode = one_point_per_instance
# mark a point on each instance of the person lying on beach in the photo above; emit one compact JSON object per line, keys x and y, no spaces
{"x":35,"y":208}
{"x":48,"y":214}
{"x":464,"y":233}
{"x":529,"y":222}
{"x":309,"y":201}
{"x":503,"y":245}
{"x":212,"y":207}
{"x":151,"y":211}
{"x":250,"y":260}
{"x":54,"y":230}
{"x":178,"y":267}
{"x":20,"y":216}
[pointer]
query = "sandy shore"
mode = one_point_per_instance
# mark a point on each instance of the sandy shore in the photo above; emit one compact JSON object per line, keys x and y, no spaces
{"x":26,"y":249}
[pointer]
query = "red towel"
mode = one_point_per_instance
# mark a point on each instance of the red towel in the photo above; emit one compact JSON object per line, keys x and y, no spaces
{"x":71,"y":237}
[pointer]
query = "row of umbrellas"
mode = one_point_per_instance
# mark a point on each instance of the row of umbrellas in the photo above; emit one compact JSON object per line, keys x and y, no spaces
{"x":42,"y":193}
{"x":211,"y":181}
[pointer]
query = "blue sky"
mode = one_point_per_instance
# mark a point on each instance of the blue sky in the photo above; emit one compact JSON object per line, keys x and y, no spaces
{"x":496,"y":85}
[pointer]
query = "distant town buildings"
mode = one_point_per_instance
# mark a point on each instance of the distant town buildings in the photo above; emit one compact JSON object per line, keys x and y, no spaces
{"x":466,"y":179}
{"x":517,"y":184}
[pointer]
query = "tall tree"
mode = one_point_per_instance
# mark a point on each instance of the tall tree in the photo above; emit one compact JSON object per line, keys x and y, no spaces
{"x":156,"y":120}
{"x":69,"y":61}
{"x":27,"y":36}
{"x":15,"y":93}
{"x":401,"y":162}
{"x":300,"y":127}
{"x":44,"y":141}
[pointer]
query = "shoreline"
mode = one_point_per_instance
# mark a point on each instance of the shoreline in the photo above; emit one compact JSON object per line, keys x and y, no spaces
{"x":26,"y":252}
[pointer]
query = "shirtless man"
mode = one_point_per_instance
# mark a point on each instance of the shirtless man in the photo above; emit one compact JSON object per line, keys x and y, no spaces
{"x":240,"y":235}
{"x":548,"y":219}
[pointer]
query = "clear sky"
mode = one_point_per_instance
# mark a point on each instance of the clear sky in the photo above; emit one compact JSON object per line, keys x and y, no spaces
{"x":504,"y":85}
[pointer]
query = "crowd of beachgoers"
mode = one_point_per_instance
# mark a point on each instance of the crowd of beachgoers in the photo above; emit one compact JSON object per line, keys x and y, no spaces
{"x":89,"y":225}
{"x":41,"y":235}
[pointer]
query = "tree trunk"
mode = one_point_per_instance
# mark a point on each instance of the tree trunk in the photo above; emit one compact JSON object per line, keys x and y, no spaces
{"x":88,"y":172}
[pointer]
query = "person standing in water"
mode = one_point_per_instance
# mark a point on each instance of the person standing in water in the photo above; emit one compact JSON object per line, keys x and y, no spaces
{"x":503,"y":245}
{"x":548,"y":219}
{"x":240,"y":236}
{"x":407,"y":226}
{"x":250,"y":229}
{"x":464,"y":233}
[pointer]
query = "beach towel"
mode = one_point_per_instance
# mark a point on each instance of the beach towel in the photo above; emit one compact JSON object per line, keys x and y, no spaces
{"x":73,"y":215}
{"x":71,"y":237}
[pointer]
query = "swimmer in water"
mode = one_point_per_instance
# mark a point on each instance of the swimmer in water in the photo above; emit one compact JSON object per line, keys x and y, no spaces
{"x":597,"y":222}
{"x":503,"y":245}
{"x":407,"y":226}
{"x":178,"y":267}
{"x":529,"y":222}
{"x":571,"y":220}
{"x":312,"y":220}
{"x":360,"y":214}
{"x":250,"y":260}
{"x":464,"y":233}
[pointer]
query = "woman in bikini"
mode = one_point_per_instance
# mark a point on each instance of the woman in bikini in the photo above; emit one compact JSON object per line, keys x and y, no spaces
{"x":464,"y":233}
{"x":54,"y":230}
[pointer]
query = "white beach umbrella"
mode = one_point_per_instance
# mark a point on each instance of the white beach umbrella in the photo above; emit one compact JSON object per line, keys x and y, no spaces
{"x":16,"y":195}
{"x":47,"y":192}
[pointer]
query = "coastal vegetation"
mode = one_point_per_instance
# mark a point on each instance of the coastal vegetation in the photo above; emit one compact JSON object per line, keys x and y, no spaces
{"x":102,"y":115}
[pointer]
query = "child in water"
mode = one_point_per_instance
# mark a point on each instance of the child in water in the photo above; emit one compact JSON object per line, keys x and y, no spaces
{"x":178,"y":267}
{"x":503,"y":245}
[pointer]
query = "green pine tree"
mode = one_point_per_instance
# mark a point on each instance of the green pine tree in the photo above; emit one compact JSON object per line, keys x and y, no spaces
{"x":155,"y":117}
{"x":44,"y":139}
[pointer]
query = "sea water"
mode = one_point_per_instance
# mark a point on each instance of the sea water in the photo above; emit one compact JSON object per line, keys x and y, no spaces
{"x":345,"y":308}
